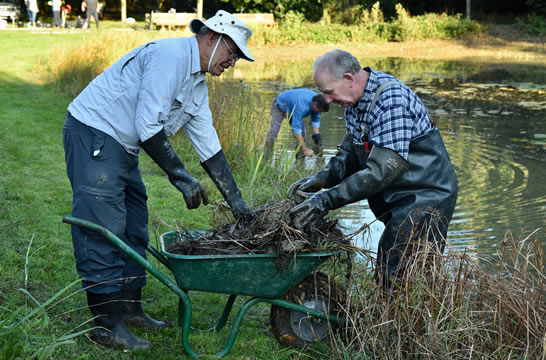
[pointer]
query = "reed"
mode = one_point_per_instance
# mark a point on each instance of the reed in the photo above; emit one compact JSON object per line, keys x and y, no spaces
{"x":239,"y":114}
{"x":452,"y":307}
{"x":364,"y":26}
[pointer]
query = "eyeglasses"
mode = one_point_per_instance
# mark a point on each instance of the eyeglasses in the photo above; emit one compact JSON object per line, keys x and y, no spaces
{"x":232,"y":54}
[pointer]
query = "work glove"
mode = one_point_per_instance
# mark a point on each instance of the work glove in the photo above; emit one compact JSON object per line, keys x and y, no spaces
{"x":318,"y":149}
{"x":342,"y":165}
{"x":383,"y":168}
{"x":161,"y":151}
{"x":220,"y":173}
{"x":308,"y":213}
{"x":311,"y":184}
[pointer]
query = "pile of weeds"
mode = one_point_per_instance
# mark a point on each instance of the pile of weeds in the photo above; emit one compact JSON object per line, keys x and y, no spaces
{"x":267,"y":231}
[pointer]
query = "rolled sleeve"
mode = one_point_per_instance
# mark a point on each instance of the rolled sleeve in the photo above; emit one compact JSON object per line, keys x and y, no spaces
{"x":315,"y":120}
{"x":296,"y":120}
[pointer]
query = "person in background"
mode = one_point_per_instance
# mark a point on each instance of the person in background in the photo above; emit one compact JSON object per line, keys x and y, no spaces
{"x":90,"y":9}
{"x":65,"y":10}
{"x":392,"y":155}
{"x":296,"y":104}
{"x":100,"y":9}
{"x":56,"y":10}
{"x":149,"y":94}
{"x":32,"y":11}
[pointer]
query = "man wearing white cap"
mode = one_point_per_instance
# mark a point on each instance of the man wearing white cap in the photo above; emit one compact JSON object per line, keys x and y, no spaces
{"x":146,"y":96}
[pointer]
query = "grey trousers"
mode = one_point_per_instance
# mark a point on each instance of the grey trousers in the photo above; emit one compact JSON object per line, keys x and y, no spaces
{"x":107,"y":190}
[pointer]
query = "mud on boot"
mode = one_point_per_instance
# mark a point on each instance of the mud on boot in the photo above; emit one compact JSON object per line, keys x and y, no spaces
{"x":111,"y":331}
{"x":134,"y":315}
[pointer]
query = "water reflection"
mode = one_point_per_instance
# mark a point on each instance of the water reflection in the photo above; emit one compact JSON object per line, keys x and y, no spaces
{"x":493,"y":121}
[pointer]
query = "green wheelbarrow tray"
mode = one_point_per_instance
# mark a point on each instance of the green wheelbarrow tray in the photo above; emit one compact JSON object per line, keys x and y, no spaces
{"x":248,"y":274}
{"x":255,"y":275}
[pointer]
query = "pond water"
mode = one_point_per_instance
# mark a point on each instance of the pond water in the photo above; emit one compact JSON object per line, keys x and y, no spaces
{"x":492,"y":118}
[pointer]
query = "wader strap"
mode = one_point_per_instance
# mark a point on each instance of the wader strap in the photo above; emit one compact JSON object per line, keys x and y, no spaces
{"x":376,"y":96}
{"x":363,"y":130}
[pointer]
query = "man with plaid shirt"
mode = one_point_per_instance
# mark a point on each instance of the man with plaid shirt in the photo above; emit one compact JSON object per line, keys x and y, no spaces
{"x":392,"y":155}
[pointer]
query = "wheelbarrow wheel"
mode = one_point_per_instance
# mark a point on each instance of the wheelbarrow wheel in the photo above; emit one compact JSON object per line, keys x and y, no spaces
{"x":318,"y":292}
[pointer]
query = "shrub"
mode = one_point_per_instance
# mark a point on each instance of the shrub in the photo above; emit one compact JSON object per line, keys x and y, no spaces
{"x":533,"y":24}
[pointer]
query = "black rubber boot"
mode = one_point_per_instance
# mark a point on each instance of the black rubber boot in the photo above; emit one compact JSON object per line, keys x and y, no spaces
{"x":111,"y":331}
{"x":134,"y":315}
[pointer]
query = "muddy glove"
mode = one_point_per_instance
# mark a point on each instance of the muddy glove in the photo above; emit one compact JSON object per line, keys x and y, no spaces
{"x":305,"y":185}
{"x":384,"y":167}
{"x":318,"y":149}
{"x":161,"y":151}
{"x":307,"y":213}
{"x":220,"y":173}
{"x":339,"y":167}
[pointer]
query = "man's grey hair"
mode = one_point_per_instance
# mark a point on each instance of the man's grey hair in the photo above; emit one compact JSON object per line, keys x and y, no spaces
{"x":337,"y":62}
{"x":203,"y":30}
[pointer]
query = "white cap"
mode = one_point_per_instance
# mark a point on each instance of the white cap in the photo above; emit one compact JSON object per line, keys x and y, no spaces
{"x":226,"y":23}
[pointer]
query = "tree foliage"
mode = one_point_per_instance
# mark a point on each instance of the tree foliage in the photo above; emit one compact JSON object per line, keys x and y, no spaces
{"x":327,"y":11}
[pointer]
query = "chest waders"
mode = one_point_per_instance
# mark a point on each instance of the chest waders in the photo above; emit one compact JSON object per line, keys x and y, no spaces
{"x":419,"y":205}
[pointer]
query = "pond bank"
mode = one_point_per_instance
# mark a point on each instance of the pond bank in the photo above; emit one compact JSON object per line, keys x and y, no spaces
{"x":476,"y":48}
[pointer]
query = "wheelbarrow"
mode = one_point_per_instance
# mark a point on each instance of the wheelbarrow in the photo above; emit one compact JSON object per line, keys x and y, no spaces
{"x":306,"y":319}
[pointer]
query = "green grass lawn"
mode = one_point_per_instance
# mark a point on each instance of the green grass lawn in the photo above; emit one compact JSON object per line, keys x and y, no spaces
{"x":37,"y":249}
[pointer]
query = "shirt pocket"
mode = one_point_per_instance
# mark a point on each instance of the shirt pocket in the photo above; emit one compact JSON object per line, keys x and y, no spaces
{"x":180,"y":113}
{"x":192,"y":107}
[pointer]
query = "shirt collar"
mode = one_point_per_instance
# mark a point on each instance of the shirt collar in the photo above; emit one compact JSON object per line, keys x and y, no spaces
{"x":195,"y":60}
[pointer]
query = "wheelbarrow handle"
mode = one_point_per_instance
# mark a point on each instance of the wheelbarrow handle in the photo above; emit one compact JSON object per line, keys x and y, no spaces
{"x":150,"y":268}
{"x":128,"y":250}
{"x":162,"y":259}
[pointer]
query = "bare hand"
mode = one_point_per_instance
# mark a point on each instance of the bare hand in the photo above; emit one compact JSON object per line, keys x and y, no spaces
{"x":308,"y":152}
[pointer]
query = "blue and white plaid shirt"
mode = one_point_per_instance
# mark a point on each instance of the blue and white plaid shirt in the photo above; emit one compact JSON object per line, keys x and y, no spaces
{"x":398,"y":117}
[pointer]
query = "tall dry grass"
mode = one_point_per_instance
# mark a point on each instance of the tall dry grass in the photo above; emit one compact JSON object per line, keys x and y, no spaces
{"x":70,"y":69}
{"x":241,"y":114}
{"x":452,"y":308}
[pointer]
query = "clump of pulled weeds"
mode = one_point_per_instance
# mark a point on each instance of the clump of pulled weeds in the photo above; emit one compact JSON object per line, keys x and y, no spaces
{"x":267,"y":232}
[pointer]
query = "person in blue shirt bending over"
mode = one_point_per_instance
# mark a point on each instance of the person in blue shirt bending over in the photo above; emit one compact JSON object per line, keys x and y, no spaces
{"x":135,"y":104}
{"x":296,"y":104}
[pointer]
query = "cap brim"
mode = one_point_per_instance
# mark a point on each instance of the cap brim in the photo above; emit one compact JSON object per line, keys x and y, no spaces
{"x":246,"y":54}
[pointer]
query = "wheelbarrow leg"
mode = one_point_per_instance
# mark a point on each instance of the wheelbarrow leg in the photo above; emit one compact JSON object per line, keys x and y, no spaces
{"x":221,"y":322}
{"x":236,"y":325}
{"x":184,"y":314}
{"x":225,"y":313}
